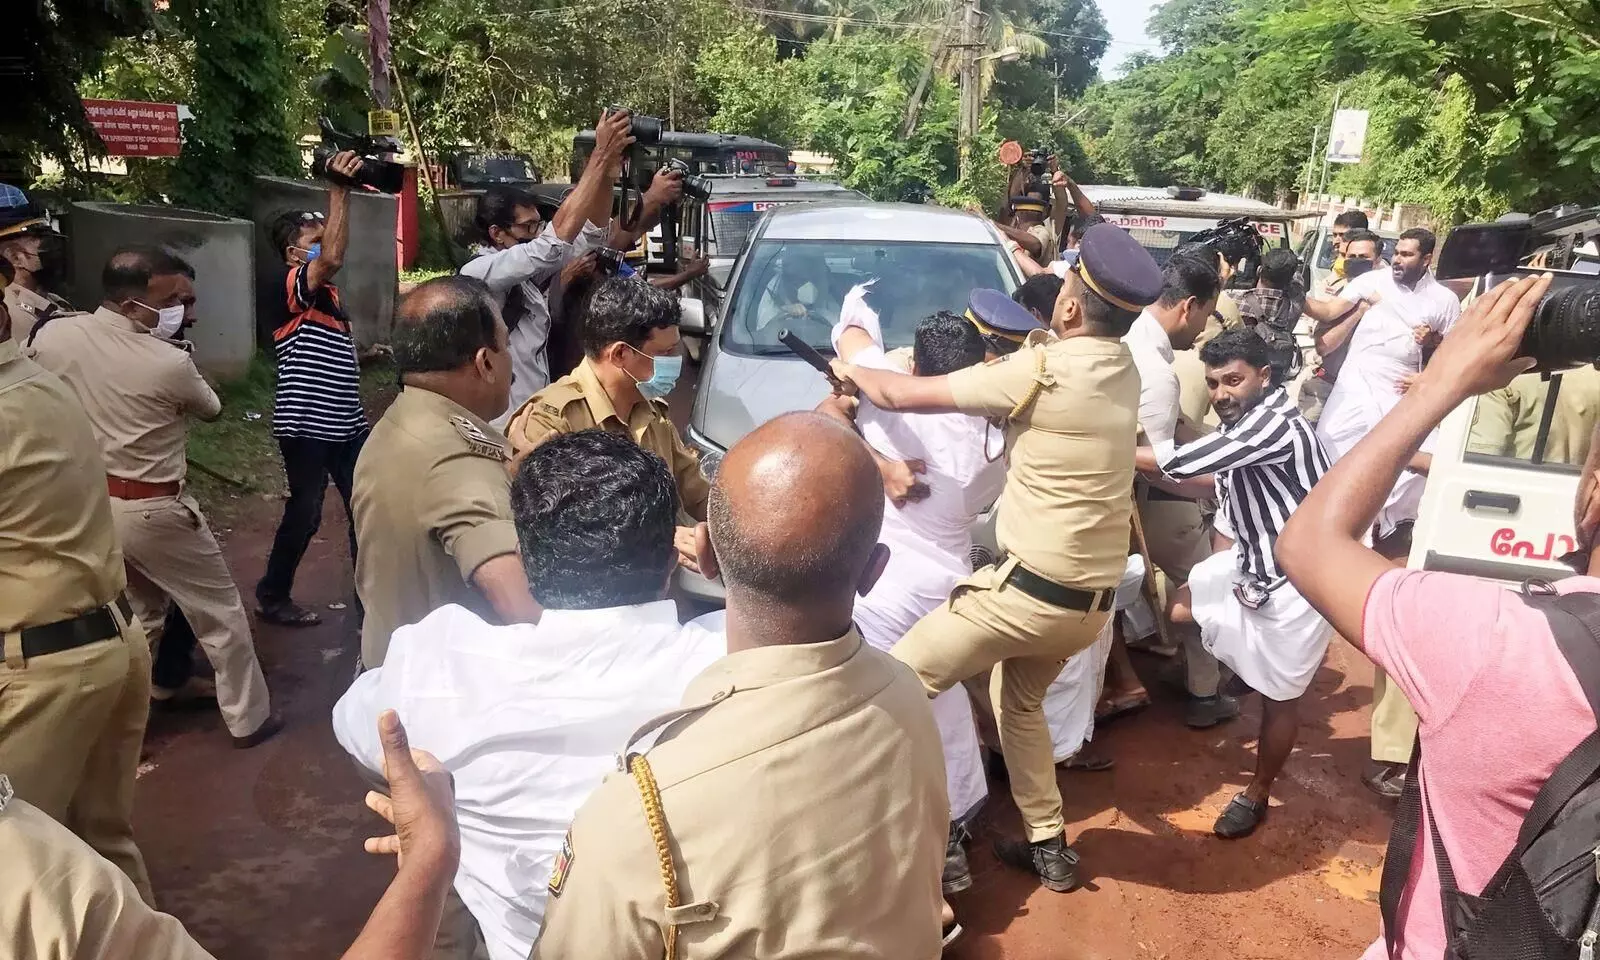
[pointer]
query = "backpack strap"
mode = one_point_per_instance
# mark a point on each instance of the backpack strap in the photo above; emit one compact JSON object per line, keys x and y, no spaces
{"x":1402,"y":846}
{"x":1575,"y":624}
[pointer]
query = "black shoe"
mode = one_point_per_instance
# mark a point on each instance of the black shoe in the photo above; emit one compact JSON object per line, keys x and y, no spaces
{"x":1387,"y":780}
{"x":957,"y":874}
{"x":1240,"y":818}
{"x":263,"y":733}
{"x":1052,"y":861}
{"x":1204,"y":712}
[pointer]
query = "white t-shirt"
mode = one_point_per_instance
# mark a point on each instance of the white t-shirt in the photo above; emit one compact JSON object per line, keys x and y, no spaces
{"x":528,"y":719}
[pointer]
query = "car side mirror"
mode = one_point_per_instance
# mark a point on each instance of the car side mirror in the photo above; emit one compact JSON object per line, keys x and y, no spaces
{"x":692,"y":316}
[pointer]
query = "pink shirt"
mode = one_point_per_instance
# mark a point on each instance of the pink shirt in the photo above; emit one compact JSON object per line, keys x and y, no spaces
{"x":1498,"y":709}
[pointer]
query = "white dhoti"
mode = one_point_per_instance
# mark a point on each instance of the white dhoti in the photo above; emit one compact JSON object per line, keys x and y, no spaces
{"x":911,"y":588}
{"x":1348,"y":417}
{"x":1069,"y":703}
{"x":1276,"y":649}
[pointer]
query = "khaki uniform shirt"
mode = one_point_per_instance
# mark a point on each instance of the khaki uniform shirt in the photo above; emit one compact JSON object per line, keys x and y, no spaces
{"x":804,"y":798}
{"x":136,"y":388}
{"x":1506,"y":421}
{"x":28,"y":308}
{"x":1068,"y":499}
{"x":578,"y":402}
{"x":432,"y":503}
{"x":58,"y":898}
{"x":58,"y":547}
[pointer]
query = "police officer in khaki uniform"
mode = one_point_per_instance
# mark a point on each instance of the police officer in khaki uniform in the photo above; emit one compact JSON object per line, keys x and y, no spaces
{"x":59,"y":900}
{"x":1071,"y":407}
{"x":33,"y":249}
{"x":138,"y":389}
{"x":843,"y":842}
{"x":432,"y":495}
{"x":75,"y":684}
{"x":632,"y":359}
{"x":1506,"y":421}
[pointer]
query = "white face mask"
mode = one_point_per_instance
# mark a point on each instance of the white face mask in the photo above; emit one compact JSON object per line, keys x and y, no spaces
{"x":169,"y":320}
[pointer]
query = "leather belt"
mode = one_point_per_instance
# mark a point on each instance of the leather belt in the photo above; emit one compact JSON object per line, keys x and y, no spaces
{"x":1156,"y":493}
{"x":124,"y":489}
{"x":80,"y":631}
{"x":1048,"y":591}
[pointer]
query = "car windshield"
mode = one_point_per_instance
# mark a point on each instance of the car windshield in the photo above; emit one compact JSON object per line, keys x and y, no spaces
{"x":800,"y":285}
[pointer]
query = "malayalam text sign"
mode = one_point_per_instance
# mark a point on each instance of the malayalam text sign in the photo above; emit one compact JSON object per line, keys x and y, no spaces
{"x":135,"y":128}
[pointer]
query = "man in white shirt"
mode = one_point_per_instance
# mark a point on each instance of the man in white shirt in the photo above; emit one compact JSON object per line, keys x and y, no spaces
{"x":1175,"y":533}
{"x":1409,"y":311}
{"x":529,"y":718}
{"x":929,"y":541}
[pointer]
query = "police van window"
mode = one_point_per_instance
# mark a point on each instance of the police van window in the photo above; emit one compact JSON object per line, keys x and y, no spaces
{"x":1506,"y":423}
{"x":801,"y":286}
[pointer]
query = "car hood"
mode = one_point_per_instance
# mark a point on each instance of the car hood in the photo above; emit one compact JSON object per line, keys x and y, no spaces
{"x":739,"y":393}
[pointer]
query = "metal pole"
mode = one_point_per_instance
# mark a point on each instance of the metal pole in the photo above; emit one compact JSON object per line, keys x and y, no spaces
{"x":1311,"y":160}
{"x":1322,"y":186}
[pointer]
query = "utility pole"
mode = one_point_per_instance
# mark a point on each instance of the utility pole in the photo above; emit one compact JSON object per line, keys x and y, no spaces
{"x":971,"y":109}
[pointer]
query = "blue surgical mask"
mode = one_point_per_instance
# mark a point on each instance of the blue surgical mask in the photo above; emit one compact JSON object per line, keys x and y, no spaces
{"x":664,"y":372}
{"x":312,"y":252}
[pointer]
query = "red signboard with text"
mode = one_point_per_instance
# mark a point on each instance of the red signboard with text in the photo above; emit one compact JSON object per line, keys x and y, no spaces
{"x":134,"y":128}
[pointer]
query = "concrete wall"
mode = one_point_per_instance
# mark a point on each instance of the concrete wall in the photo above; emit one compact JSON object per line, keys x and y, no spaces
{"x":221,"y":250}
{"x":367,"y":281}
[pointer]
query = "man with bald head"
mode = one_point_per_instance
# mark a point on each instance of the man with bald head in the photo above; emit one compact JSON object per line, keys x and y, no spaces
{"x":432,"y":497}
{"x":795,"y":805}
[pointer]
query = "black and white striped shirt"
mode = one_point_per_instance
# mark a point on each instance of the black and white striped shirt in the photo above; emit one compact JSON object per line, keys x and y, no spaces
{"x":319,"y":379}
{"x":1264,"y":465}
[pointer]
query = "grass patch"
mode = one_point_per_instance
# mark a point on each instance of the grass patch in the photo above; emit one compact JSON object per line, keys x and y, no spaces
{"x":234,"y":460}
{"x":421,"y":275}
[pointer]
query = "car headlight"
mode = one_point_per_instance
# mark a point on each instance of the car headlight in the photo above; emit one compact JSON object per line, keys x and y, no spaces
{"x":699,"y":441}
{"x":710,"y":454}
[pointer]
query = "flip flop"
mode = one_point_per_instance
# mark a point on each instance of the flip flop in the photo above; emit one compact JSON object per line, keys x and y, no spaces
{"x":951,"y":934}
{"x":1091,"y":764}
{"x":288,"y":614}
{"x":1239,"y":818}
{"x":1122,"y":706}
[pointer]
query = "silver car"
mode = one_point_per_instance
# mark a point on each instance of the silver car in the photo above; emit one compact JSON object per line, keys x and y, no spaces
{"x":800,"y":264}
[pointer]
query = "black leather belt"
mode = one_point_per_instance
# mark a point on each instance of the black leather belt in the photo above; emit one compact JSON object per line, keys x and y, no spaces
{"x":1068,"y":598}
{"x":80,"y":631}
{"x":1156,"y":493}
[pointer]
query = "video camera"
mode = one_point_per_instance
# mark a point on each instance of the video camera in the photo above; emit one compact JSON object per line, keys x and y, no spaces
{"x":1238,"y":241}
{"x":1565,"y":329}
{"x":1039,"y":162}
{"x":378,"y":173}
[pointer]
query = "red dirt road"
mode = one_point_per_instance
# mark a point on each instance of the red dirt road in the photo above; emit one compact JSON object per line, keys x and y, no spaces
{"x":259,"y":852}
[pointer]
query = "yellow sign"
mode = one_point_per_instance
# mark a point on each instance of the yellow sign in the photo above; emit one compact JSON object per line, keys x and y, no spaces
{"x":383,"y":123}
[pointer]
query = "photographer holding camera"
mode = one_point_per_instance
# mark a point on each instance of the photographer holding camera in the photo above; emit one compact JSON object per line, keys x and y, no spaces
{"x":1040,"y":194}
{"x":520,"y":260}
{"x":317,"y":417}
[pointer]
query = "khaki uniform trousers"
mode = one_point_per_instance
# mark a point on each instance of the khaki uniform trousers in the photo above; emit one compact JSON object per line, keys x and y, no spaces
{"x":71,"y":726}
{"x":171,"y":553}
{"x":1394,"y":723}
{"x":985,"y":624}
{"x":1178,"y":538}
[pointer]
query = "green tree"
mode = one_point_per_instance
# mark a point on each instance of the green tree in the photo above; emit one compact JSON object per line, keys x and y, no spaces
{"x":241,"y":88}
{"x":749,"y":90}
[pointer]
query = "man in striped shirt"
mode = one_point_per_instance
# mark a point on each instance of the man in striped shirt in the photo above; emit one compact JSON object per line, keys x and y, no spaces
{"x":1261,"y":463}
{"x":317,"y":416}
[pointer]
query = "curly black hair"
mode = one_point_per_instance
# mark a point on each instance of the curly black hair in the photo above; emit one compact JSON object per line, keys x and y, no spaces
{"x":595,"y":516}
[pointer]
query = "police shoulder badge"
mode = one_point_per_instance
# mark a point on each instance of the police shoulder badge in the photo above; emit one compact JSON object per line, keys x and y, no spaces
{"x":478,"y":442}
{"x":563,"y":866}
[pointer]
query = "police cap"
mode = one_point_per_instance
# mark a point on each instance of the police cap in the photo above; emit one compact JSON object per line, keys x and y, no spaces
{"x":1113,"y":265}
{"x":19,"y":216}
{"x":997,"y":315}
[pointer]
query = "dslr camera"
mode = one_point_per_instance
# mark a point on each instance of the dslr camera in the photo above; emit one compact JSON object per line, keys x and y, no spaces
{"x":646,"y":130}
{"x":376,"y":172}
{"x":1039,"y":162}
{"x":1238,"y":241}
{"x":1565,"y":329}
{"x":695,"y":186}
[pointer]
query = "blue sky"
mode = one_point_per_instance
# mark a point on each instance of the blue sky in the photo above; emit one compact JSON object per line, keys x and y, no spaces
{"x":1126,"y":20}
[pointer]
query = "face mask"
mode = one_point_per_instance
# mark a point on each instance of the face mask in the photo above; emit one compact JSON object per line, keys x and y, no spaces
{"x":663,"y":375}
{"x":1355,"y":268}
{"x":169,"y":320}
{"x":312,"y":252}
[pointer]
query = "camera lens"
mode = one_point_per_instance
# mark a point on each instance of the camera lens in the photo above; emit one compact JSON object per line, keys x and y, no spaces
{"x":646,"y":129}
{"x":1565,"y":330}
